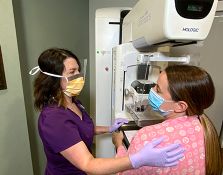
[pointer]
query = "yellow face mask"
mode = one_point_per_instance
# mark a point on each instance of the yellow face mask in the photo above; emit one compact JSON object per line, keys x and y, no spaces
{"x":74,"y":85}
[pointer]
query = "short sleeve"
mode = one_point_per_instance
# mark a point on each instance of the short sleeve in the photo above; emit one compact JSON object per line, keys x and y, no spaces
{"x":121,"y":151}
{"x":58,"y":130}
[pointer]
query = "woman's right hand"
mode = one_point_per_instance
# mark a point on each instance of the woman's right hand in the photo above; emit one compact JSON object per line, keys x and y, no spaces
{"x":149,"y":155}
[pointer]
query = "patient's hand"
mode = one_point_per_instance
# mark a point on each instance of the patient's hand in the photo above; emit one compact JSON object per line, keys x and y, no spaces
{"x":117,"y":138}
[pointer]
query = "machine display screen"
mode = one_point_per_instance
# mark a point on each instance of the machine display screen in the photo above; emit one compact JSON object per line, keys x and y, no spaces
{"x":194,"y":7}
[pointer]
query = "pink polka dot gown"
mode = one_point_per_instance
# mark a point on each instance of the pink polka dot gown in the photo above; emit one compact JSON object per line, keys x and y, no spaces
{"x":186,"y":130}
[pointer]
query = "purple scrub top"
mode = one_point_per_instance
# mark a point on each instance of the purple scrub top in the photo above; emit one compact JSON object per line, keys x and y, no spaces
{"x":60,"y":129}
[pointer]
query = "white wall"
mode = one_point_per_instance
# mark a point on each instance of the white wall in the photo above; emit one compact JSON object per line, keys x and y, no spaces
{"x":212,"y":61}
{"x":15,"y":157}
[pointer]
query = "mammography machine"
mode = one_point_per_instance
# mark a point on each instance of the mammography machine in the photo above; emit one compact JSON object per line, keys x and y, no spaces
{"x":150,"y":26}
{"x":129,"y":58}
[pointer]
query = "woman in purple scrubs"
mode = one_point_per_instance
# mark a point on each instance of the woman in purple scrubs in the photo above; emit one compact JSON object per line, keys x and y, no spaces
{"x":67,"y":130}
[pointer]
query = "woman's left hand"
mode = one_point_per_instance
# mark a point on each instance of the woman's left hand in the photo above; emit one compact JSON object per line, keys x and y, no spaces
{"x":118,"y":122}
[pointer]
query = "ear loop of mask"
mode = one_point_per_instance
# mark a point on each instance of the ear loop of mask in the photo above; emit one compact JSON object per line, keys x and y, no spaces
{"x":36,"y":69}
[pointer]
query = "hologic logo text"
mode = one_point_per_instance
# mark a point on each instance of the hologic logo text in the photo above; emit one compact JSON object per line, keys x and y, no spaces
{"x":185,"y":29}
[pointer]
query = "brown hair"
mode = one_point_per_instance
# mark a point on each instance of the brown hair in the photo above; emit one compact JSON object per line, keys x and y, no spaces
{"x":195,"y":86}
{"x":47,"y":89}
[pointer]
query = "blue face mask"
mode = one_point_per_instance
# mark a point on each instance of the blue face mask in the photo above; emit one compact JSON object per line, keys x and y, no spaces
{"x":155,"y":101}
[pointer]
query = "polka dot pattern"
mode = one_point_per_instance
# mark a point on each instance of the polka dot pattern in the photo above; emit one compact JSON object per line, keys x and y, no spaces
{"x":185,"y":130}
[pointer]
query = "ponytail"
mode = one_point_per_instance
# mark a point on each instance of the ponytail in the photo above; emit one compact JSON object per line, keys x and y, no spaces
{"x":213,"y":160}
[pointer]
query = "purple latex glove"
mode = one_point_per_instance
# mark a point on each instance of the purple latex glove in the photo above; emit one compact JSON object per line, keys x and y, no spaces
{"x":158,"y":157}
{"x":118,"y":122}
